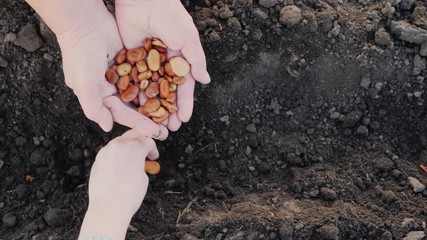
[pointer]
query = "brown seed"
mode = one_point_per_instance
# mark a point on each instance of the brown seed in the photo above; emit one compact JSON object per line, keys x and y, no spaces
{"x":112,"y":76}
{"x":168,"y":78}
{"x":169,"y":106}
{"x":124,"y":69}
{"x":178,"y":80}
{"x":143,"y":112}
{"x":141,"y":66}
{"x":152,"y":90}
{"x":147,"y":44}
{"x":164,"y":88}
{"x":151,"y":105}
{"x":163,"y":57}
{"x":158,"y":42}
{"x":168,"y":69}
{"x":171,"y":98}
{"x":153,"y":60}
{"x":135,"y":102}
{"x":114,"y":67}
{"x":172,"y":87}
{"x":152,"y":167}
{"x":160,"y":119}
{"x":155,"y":77}
{"x":159,"y":112}
{"x":134,"y":74}
{"x":130,"y":93}
{"x":160,"y":49}
{"x":120,"y":57}
{"x":180,"y":66}
{"x":123,"y":82}
{"x":144,"y":84}
{"x":135,"y":54}
{"x":161,"y":71}
{"x":144,"y":75}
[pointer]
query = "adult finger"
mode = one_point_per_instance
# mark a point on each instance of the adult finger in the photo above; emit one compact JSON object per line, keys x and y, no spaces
{"x":153,"y":153}
{"x":87,"y":79}
{"x":184,"y":37}
{"x":174,"y":122}
{"x":126,"y":116}
{"x":195,"y":55}
{"x":185,"y":99}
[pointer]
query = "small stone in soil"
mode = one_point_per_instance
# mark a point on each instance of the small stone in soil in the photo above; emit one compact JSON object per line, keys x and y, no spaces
{"x":189,"y":237}
{"x":189,"y":149}
{"x":269,"y":3}
{"x":9,"y":220}
{"x":264,"y":167}
{"x":414,"y":235}
{"x":329,"y":231}
{"x":38,"y":157}
{"x":383,"y":164}
{"x":396,"y":173}
{"x":21,"y":191}
{"x":74,"y":171}
{"x":57,"y":217}
{"x":423,"y":49}
{"x":334,"y":115}
{"x":290,"y":15}
{"x":387,"y":236}
{"x":20,"y":141}
{"x":383,"y":38}
{"x":251,"y":127}
{"x":10,"y":37}
{"x":328,"y":194}
{"x":28,"y":38}
{"x":362,"y":130}
{"x":3,"y":62}
{"x":259,"y":14}
{"x":374,"y":125}
{"x":419,"y":65}
{"x":416,"y":185}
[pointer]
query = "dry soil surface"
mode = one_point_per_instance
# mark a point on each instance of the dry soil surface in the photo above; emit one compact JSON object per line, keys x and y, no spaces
{"x":313,"y":127}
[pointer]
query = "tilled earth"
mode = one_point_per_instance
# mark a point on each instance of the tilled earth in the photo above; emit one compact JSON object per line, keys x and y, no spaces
{"x":313,"y":127}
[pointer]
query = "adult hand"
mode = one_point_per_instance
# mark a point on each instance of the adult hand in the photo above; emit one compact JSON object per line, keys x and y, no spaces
{"x":117,"y":185}
{"x":169,"y":21}
{"x":89,"y":39}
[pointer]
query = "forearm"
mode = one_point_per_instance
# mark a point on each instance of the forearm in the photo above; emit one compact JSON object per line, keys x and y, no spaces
{"x":100,"y":221}
{"x":65,"y":15}
{"x":146,"y":3}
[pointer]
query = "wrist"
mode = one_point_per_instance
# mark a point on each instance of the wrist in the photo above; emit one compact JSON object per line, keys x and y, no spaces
{"x":67,"y":16}
{"x":104,"y":219}
{"x":139,"y":2}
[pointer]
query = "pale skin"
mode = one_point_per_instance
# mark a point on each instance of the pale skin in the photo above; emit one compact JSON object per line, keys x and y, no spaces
{"x":117,"y":185}
{"x":89,"y":37}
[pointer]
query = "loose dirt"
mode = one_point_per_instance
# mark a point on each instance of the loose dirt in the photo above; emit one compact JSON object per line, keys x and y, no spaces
{"x":312,"y":125}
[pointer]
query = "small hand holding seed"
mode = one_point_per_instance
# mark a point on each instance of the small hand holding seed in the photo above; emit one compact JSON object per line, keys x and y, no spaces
{"x":118,"y":184}
{"x":169,"y":21}
{"x":120,"y":167}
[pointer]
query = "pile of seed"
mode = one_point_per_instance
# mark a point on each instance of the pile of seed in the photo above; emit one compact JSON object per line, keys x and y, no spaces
{"x":147,"y":71}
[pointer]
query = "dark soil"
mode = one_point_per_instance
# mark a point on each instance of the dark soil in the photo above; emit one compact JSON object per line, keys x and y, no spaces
{"x":306,"y":132}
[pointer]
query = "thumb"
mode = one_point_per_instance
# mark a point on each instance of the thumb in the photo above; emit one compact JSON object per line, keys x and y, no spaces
{"x":86,"y":77}
{"x":131,"y":25}
{"x":94,"y":109}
